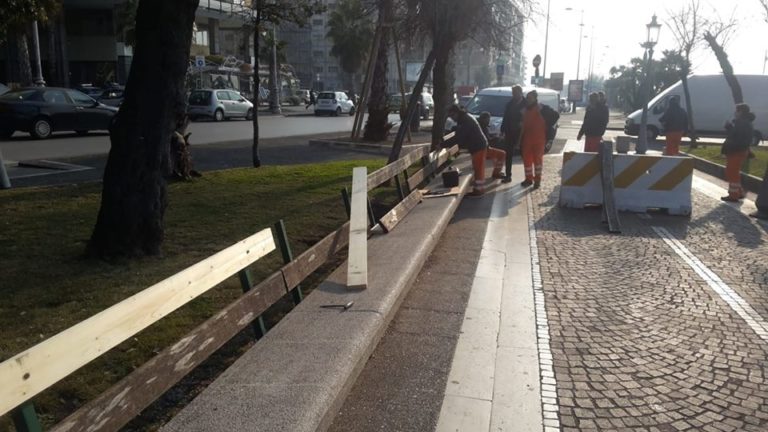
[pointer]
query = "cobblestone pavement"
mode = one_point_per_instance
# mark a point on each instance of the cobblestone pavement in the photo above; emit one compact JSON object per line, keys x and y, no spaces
{"x":639,"y":340}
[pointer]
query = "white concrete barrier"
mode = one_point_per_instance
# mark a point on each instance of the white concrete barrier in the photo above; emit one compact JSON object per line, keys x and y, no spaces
{"x":640,"y":182}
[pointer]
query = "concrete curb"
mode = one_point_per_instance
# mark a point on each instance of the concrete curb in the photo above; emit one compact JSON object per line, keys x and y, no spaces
{"x":297,"y":377}
{"x":749,"y":182}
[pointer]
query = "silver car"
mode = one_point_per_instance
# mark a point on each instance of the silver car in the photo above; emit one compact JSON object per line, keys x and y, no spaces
{"x":218,"y":104}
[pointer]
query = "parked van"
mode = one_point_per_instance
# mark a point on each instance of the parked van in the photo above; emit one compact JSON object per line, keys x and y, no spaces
{"x":712,"y":103}
{"x":495,"y":99}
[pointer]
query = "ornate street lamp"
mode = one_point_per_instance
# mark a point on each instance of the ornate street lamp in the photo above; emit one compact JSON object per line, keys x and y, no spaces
{"x":652,"y":38}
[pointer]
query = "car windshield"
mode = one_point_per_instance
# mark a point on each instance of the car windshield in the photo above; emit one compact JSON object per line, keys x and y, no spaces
{"x":200,"y":97}
{"x":327,"y":96}
{"x":18,"y":95}
{"x":493,"y":104}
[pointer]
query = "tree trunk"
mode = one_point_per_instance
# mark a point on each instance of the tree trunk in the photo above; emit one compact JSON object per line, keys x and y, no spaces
{"x":134,"y":195}
{"x":442,"y":79}
{"x":22,"y":59}
{"x":275,"y":83}
{"x":377,"y":127}
{"x":412,"y":106}
{"x":689,"y":108}
{"x":255,"y":159}
{"x":725,"y":65}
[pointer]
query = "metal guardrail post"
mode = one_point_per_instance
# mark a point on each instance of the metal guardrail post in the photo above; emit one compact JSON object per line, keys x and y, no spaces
{"x":287,"y":253}
{"x":25,"y":418}
{"x":246,"y":282}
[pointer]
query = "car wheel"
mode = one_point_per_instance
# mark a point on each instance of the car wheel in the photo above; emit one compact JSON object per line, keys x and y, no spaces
{"x":317,"y":113}
{"x":337,"y":112}
{"x":352,"y":111}
{"x":249,"y":114}
{"x":757,"y":137}
{"x":218,"y":115}
{"x":81,"y":132}
{"x":426,"y":115}
{"x":41,"y":128}
{"x":6,"y":133}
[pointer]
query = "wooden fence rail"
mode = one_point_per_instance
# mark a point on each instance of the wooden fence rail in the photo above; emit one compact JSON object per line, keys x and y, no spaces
{"x":34,"y":370}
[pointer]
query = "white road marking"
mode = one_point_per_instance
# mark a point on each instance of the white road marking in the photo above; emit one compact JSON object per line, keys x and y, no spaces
{"x":733,"y":299}
{"x":550,"y":404}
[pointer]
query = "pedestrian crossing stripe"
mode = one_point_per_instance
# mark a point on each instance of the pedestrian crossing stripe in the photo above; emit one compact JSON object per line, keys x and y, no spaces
{"x":657,"y":173}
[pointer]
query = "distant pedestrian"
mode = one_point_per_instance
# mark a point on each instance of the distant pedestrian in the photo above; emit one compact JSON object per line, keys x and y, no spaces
{"x":469,"y":136}
{"x":736,"y":149}
{"x":494,"y":154}
{"x":675,"y":123}
{"x":537,"y":122}
{"x":312,"y":100}
{"x":595,"y":122}
{"x":511,"y":126}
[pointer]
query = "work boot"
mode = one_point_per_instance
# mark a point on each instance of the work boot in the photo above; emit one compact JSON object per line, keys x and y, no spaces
{"x":536,"y":185}
{"x":526,"y":183}
{"x":507,"y":179}
{"x":730,"y":199}
{"x":497,"y":175}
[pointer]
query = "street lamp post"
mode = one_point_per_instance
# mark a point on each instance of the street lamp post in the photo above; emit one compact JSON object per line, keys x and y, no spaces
{"x":578,"y":60}
{"x":39,"y":81}
{"x":651,"y":39}
{"x":277,"y":83}
{"x":546,"y":41}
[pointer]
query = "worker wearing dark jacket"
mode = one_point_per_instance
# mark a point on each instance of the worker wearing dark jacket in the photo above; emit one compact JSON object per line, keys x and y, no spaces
{"x":469,"y":136}
{"x":511,"y":126}
{"x":675,"y":123}
{"x":595,"y":122}
{"x":736,"y":150}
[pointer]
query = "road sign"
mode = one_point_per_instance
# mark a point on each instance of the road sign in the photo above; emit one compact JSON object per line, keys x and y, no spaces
{"x":556,"y":80}
{"x":536,"y":61}
{"x":200,"y":61}
{"x":500,"y":69}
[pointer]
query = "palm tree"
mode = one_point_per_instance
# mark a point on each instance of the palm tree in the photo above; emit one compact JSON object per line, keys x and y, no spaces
{"x":378,"y":125}
{"x":351,"y":30}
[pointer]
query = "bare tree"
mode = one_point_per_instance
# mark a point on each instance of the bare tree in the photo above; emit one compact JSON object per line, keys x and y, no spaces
{"x":764,"y":4}
{"x":717,"y":35}
{"x":686,"y":25}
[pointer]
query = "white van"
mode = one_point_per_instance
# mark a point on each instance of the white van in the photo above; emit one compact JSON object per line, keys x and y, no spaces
{"x":495,"y":99}
{"x":712,"y":103}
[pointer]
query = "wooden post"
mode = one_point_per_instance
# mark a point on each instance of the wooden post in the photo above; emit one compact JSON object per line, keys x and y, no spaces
{"x":246,"y":282}
{"x":403,"y":105}
{"x":5,"y":182}
{"x":399,"y":186}
{"x":25,"y":418}
{"x":357,"y":269}
{"x":345,"y":198}
{"x":360,"y":113}
{"x":287,"y":253}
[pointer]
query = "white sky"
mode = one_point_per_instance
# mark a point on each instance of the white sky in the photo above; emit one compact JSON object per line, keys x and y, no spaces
{"x":619,"y":27}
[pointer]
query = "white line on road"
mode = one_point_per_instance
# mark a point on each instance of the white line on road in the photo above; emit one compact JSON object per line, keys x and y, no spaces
{"x":734,"y":300}
{"x":549,"y":403}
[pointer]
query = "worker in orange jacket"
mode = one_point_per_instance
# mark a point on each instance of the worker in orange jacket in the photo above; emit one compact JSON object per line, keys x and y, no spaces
{"x":534,"y":138}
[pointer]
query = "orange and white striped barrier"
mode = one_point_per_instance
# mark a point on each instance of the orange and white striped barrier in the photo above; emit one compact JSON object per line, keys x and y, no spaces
{"x":640,"y":182}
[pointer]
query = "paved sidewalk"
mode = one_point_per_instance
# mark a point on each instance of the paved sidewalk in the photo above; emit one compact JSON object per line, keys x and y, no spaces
{"x":570,"y":328}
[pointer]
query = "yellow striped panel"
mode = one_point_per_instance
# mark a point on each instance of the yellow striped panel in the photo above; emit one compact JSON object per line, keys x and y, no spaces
{"x":676,"y":175}
{"x":585,"y":174}
{"x":634,"y":171}
{"x":567,"y":157}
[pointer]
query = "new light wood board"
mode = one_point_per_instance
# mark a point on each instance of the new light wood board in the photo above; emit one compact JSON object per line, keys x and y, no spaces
{"x":357,"y":263}
{"x":32,"y":371}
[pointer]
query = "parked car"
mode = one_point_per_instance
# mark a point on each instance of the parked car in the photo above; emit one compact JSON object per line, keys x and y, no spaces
{"x":91,"y":90}
{"x":334,"y":103}
{"x":427,"y":105}
{"x":495,"y":99}
{"x":464,"y":100}
{"x":4,"y":89}
{"x":564,"y":106}
{"x":712,"y":105}
{"x":112,"y":97}
{"x":218,"y":104}
{"x":303,"y":94}
{"x":42,"y":111}
{"x":395,"y":101}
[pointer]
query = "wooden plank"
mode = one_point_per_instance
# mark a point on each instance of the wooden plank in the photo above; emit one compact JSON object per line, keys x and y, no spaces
{"x":394,"y":216}
{"x":357,"y":263}
{"x":385,"y":173}
{"x":309,"y":261}
{"x":437,"y":159}
{"x":125,"y":400}
{"x":606,"y":173}
{"x":32,"y":371}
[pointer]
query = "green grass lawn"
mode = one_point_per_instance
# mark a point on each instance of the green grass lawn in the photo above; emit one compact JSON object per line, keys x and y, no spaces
{"x":755,"y":166}
{"x":46,"y":285}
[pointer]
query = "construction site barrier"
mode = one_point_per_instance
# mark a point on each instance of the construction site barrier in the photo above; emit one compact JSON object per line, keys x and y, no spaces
{"x":641,"y":182}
